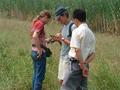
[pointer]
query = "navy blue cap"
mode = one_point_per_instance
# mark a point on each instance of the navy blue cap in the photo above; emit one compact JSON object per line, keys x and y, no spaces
{"x":59,"y":11}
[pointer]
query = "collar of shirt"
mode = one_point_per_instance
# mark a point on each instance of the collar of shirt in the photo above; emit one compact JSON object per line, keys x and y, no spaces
{"x":83,"y":24}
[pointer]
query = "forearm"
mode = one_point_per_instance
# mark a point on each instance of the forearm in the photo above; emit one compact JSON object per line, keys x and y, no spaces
{"x":80,"y":58}
{"x":90,"y":58}
{"x":47,"y":40}
{"x":58,"y":37}
{"x":37,"y":43}
{"x":66,"y":41}
{"x":36,"y":39}
{"x":79,"y":55}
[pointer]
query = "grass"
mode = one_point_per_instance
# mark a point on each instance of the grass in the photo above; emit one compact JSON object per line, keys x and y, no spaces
{"x":16,"y":64}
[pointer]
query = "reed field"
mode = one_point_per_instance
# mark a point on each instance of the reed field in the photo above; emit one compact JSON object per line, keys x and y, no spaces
{"x":16,"y":69}
{"x":103,"y":15}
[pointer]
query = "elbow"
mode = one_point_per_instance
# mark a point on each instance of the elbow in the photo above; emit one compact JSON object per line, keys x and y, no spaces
{"x":34,"y":37}
{"x":77,"y":50}
{"x":94,"y":55}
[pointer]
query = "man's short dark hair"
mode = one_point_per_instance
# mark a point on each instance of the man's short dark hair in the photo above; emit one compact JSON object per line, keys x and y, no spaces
{"x":80,"y":15}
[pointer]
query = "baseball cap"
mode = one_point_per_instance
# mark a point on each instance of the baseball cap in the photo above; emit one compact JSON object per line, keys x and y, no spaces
{"x":60,"y":11}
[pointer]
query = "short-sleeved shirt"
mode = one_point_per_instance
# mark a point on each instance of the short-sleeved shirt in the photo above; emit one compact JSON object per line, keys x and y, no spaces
{"x":84,"y":39}
{"x":65,"y":33}
{"x":38,"y":26}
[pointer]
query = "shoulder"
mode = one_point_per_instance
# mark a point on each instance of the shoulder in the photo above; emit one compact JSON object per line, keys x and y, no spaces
{"x":75,"y":31}
{"x":78,"y":33}
{"x":80,"y":30}
{"x":73,"y":26}
{"x":38,"y":26}
{"x":39,"y":23}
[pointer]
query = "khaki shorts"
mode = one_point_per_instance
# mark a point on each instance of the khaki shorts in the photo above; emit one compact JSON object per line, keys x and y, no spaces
{"x":63,"y":68}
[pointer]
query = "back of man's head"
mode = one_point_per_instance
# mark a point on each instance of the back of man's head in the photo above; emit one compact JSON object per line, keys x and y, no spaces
{"x":80,"y":15}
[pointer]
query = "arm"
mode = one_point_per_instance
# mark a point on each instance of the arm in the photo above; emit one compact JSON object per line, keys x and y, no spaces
{"x":90,"y":58}
{"x":82,"y":63}
{"x":80,"y":58}
{"x":60,"y":38}
{"x":37,"y":43}
{"x":47,"y":40}
{"x":66,"y":41}
{"x":78,"y":55}
{"x":52,"y":39}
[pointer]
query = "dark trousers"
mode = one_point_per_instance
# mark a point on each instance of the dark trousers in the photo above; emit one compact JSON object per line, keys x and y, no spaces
{"x":74,"y":79}
{"x":39,"y":66}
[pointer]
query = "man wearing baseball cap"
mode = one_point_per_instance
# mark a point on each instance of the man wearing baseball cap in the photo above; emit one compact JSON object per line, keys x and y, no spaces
{"x":62,"y":16}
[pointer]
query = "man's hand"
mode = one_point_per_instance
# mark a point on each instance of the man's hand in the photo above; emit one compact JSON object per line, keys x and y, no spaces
{"x":39,"y":53}
{"x":58,"y":37}
{"x":82,"y":66}
{"x":85,"y":70}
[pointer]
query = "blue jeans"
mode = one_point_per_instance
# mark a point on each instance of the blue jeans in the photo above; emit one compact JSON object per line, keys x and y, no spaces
{"x":39,"y":66}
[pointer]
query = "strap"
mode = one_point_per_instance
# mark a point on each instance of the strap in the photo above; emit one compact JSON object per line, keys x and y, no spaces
{"x":70,"y":30}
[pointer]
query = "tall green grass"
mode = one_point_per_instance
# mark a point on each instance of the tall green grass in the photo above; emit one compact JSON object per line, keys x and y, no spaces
{"x":16,"y":64}
{"x":103,"y":15}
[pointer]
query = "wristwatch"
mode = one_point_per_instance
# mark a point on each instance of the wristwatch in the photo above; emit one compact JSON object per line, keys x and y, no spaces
{"x":63,"y":39}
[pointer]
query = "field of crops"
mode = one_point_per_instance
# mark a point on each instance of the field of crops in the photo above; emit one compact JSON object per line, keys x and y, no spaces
{"x":16,"y":64}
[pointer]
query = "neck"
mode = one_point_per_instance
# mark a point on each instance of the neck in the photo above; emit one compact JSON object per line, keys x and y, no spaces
{"x":79,"y":23}
{"x":67,"y":21}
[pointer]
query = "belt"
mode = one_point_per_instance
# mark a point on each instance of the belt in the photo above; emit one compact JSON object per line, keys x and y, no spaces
{"x":72,"y":59}
{"x":33,"y":45}
{"x":42,"y":46}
